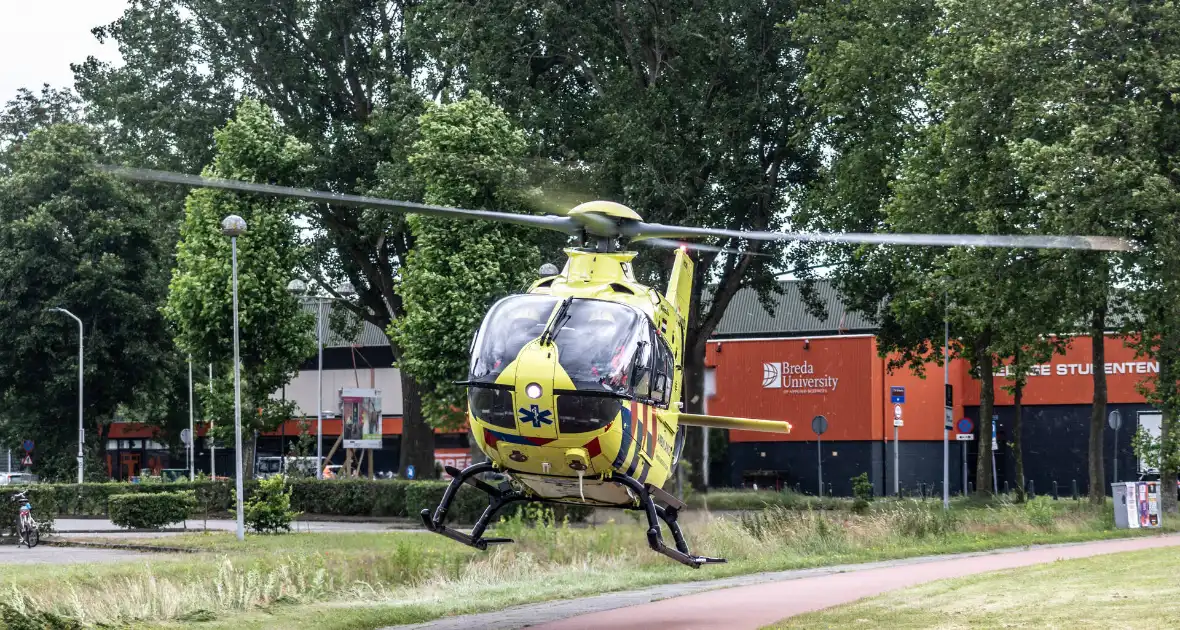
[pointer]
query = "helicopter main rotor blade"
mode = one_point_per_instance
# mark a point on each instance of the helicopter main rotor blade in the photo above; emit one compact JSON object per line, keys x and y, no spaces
{"x":548,"y":222}
{"x":671,"y":244}
{"x":639,"y":230}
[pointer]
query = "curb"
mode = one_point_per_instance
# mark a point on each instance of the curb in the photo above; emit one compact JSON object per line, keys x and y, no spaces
{"x":119,"y":546}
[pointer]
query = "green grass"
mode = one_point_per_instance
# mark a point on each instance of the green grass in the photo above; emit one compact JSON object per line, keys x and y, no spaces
{"x":365,"y":580}
{"x":1135,"y":589}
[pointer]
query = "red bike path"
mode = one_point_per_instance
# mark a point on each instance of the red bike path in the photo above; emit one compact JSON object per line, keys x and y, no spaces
{"x":758,"y":605}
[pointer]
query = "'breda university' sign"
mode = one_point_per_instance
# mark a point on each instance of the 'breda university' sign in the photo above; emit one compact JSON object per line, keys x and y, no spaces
{"x":797,"y":378}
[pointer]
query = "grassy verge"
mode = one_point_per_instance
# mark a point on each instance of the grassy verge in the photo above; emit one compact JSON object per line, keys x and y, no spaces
{"x":1119,"y":590}
{"x":365,"y":580}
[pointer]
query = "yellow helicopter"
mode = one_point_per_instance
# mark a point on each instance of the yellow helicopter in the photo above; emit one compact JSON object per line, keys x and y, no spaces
{"x":574,"y":386}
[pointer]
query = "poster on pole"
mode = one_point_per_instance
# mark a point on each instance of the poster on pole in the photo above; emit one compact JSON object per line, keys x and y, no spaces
{"x":360,"y":411}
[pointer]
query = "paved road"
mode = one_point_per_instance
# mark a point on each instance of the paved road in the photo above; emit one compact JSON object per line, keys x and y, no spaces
{"x":754,"y":601}
{"x":11,"y":554}
{"x":103,"y":527}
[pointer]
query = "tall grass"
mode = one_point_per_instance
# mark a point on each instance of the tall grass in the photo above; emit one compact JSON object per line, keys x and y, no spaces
{"x":411,"y":569}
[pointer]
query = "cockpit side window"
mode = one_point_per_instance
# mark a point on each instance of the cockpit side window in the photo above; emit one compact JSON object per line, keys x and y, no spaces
{"x":661,"y":389}
{"x":643,"y":365}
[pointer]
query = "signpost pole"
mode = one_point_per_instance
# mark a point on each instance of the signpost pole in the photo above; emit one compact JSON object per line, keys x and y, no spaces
{"x":964,"y":469}
{"x":896,"y":475}
{"x":1116,"y":421}
{"x":819,"y":424}
{"x":819,"y":458}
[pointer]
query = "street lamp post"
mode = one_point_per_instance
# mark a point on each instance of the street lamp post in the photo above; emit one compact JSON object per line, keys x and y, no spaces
{"x":298,"y":287}
{"x":234,"y":226}
{"x":81,"y":430}
{"x":192,"y":433}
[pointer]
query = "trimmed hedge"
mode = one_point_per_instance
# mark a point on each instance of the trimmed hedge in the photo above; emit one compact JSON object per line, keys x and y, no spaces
{"x":329,"y":497}
{"x":151,"y":510}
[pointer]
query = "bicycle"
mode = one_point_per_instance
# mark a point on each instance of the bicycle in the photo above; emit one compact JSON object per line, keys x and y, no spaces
{"x":26,"y":527}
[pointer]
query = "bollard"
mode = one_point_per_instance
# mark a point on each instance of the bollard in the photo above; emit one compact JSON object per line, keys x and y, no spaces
{"x":1006,"y":486}
{"x":1075,"y":489}
{"x":1054,"y":489}
{"x":970,"y":487}
{"x":830,"y":490}
{"x":1032,"y":489}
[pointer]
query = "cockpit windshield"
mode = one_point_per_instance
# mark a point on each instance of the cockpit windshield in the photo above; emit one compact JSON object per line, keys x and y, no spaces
{"x":596,"y":340}
{"x":511,"y":324}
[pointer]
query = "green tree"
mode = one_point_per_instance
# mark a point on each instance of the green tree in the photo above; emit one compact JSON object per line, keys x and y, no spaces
{"x":75,"y":238}
{"x":275,"y":333}
{"x":466,"y":155}
{"x":28,"y":112}
{"x":689,"y":112}
{"x":343,"y":79}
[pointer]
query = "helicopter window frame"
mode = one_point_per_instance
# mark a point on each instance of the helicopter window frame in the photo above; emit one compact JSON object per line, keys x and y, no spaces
{"x":659,"y":359}
{"x":662,"y":365}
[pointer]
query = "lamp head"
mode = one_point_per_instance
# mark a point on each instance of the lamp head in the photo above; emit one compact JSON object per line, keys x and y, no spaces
{"x":233,"y":225}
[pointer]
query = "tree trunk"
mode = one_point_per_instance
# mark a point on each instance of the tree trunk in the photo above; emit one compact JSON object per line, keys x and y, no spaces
{"x":987,"y":398}
{"x":1166,"y":387}
{"x":1098,"y":408}
{"x":417,"y":448}
{"x":1017,"y":443}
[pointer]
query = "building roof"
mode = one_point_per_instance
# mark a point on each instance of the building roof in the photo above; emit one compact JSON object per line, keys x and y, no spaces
{"x":746,"y":317}
{"x":368,"y":337}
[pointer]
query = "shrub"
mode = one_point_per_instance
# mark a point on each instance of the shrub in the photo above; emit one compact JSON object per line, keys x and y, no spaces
{"x":1039,"y":512}
{"x":268,"y":509}
{"x":862,"y":489}
{"x":151,"y":510}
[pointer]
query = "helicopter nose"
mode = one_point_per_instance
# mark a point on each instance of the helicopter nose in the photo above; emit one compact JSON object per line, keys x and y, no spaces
{"x":536,"y":408}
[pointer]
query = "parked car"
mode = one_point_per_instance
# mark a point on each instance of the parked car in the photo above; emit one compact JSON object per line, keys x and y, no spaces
{"x":17,"y":478}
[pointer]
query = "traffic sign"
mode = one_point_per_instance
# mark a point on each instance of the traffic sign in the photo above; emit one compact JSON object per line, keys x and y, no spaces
{"x":819,"y":424}
{"x":186,"y":436}
{"x":897,"y":412}
{"x":897,"y":394}
{"x":950,"y":396}
{"x":965,"y":437}
{"x":966,"y":425}
{"x":898,"y":422}
{"x":28,"y":444}
{"x":1115,"y":420}
{"x":948,"y":418}
{"x":27,"y":461}
{"x":410,"y":471}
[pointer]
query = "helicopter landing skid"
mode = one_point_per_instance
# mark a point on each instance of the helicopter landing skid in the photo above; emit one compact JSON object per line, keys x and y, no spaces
{"x":498,"y":499}
{"x":667,"y":513}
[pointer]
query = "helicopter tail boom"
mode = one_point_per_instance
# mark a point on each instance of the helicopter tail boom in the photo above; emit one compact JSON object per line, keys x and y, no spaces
{"x":744,"y":424}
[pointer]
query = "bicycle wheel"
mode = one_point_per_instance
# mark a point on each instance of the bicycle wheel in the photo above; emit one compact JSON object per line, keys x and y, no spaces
{"x":32,"y":533}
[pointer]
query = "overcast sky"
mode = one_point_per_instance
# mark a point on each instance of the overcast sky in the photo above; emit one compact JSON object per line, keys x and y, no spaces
{"x":40,"y":38}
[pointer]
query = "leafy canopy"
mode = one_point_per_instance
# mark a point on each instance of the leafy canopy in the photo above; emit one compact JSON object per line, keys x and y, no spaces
{"x":466,"y":155}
